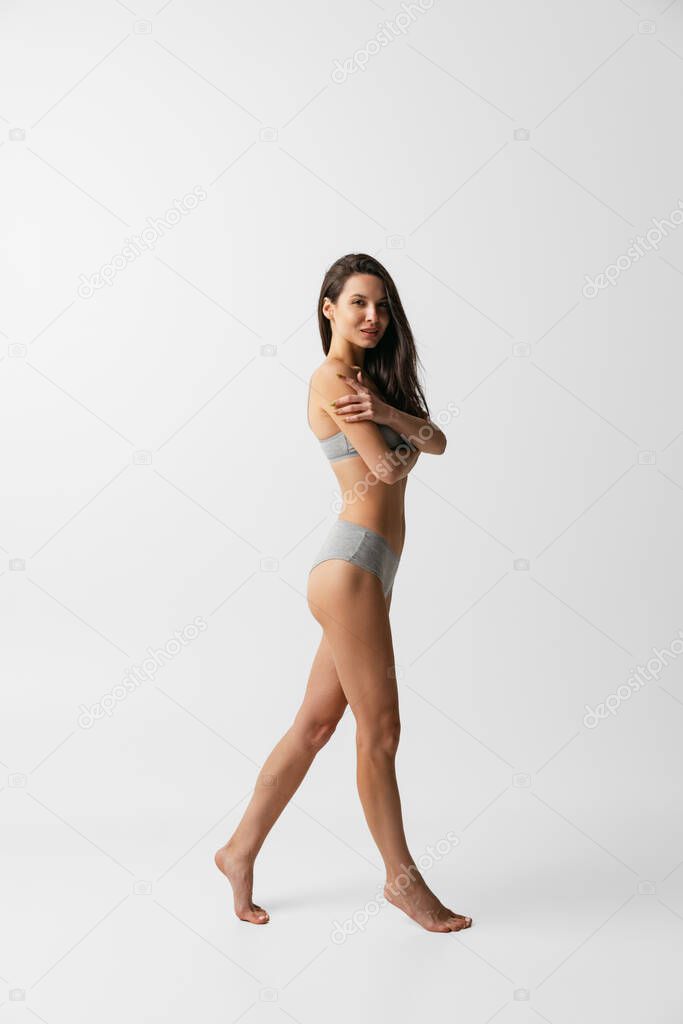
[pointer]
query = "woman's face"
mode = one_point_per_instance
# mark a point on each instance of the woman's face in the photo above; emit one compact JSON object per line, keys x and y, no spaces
{"x":361,"y":313}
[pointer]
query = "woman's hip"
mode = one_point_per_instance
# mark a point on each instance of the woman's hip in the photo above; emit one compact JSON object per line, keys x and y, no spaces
{"x":360,"y":546}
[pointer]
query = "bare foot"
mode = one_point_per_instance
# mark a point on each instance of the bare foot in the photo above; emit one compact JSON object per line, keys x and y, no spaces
{"x":414,"y":897}
{"x":239,"y":871}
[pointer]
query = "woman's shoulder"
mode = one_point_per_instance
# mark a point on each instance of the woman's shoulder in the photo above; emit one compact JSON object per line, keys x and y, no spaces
{"x":324,"y":376}
{"x":321,"y":381}
{"x":330,"y":365}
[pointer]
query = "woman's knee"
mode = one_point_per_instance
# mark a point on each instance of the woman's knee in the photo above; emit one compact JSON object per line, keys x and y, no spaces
{"x":313,"y":733}
{"x":378,"y":733}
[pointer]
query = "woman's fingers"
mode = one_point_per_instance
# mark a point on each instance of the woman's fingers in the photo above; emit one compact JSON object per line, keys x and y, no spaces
{"x":357,"y":404}
{"x":349,"y":400}
{"x":346,"y":400}
{"x":354,"y":407}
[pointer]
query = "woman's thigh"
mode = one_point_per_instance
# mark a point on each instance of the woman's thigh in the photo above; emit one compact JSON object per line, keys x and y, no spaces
{"x":349,"y":604}
{"x":324,"y":700}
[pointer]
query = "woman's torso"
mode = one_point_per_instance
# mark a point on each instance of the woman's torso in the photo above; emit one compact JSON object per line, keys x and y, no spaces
{"x":379,"y":506}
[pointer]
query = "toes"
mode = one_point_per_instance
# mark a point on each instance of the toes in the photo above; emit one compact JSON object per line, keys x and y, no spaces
{"x":255,"y":915}
{"x":260,"y":912}
{"x":459,"y":921}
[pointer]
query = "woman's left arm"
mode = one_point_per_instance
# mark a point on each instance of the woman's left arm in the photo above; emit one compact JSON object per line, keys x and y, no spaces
{"x":422,"y":433}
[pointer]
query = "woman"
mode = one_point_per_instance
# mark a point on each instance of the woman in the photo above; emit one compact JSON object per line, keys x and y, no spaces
{"x":368,"y":412}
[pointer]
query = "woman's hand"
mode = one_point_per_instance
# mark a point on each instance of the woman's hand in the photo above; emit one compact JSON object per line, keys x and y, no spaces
{"x":365,"y":404}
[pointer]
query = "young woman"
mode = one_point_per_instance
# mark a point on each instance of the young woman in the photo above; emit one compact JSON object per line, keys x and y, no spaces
{"x":368,"y":411}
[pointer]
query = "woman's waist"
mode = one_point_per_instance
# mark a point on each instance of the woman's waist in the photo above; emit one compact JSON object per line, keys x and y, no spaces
{"x":392,"y":530}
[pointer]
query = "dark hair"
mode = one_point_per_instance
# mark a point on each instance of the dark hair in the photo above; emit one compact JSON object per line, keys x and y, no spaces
{"x":393,"y":363}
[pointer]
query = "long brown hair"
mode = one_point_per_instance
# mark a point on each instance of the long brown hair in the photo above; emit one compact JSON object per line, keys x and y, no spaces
{"x":393,"y":363}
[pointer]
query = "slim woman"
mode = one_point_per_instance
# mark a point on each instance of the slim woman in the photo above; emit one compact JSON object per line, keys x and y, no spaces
{"x":368,"y":412}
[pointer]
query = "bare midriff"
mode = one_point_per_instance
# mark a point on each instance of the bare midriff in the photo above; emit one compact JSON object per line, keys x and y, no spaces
{"x":367,"y":500}
{"x":380,"y":507}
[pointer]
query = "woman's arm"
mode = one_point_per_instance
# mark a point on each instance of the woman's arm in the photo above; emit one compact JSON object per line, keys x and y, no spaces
{"x":406,"y":464}
{"x":430,"y":438}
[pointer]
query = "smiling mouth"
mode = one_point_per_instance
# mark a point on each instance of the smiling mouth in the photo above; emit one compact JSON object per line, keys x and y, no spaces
{"x":369,"y":330}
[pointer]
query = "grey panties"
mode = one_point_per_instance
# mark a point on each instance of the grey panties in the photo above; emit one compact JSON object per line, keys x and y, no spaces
{"x":361,"y":546}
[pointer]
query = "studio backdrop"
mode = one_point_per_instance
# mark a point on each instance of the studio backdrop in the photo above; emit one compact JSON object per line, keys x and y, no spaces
{"x":176,"y":180}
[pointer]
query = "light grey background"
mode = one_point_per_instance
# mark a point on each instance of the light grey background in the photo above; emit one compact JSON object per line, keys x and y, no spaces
{"x":491,"y":155}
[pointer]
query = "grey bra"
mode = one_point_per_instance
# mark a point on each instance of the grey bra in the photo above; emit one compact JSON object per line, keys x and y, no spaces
{"x":338,"y":445}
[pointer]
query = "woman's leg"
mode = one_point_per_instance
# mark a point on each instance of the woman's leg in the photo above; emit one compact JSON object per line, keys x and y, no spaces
{"x":348,"y":603}
{"x":323,"y":705}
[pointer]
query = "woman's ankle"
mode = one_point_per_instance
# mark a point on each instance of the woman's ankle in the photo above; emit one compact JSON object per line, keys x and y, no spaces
{"x":240,"y":849}
{"x":401,"y":875}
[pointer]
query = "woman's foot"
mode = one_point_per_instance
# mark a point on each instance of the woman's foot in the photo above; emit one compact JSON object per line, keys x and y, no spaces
{"x":413,"y":896}
{"x":239,"y":871}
